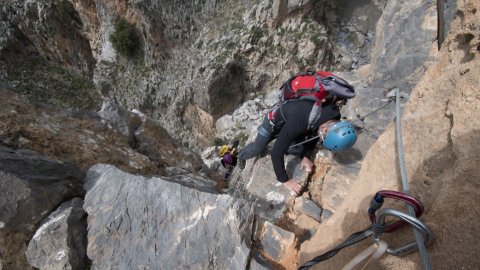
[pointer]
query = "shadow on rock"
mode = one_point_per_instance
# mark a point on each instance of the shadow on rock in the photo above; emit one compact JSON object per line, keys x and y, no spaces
{"x":348,"y":156}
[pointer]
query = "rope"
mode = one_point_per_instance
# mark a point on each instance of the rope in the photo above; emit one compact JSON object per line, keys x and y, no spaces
{"x":373,"y":252}
{"x":359,"y":119}
{"x":352,"y":239}
{"x":300,"y":143}
{"x":381,"y":249}
{"x":406,"y":187}
{"x":365,"y":116}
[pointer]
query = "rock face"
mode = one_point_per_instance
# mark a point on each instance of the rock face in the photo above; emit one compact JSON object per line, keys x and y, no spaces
{"x":199,"y":62}
{"x":53,"y":29}
{"x":158,"y":223}
{"x":441,"y":132}
{"x":32,"y":186}
{"x":192,"y":69}
{"x":406,"y":32}
{"x":61,"y":240}
{"x":148,"y":137}
{"x":44,"y":182}
{"x":84,"y":137}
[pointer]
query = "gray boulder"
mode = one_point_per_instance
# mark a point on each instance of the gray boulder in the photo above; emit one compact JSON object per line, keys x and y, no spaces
{"x":156,"y":223}
{"x":31,"y":186}
{"x":258,"y":183}
{"x":61,"y":240}
{"x":154,"y":141}
{"x":126,"y":122}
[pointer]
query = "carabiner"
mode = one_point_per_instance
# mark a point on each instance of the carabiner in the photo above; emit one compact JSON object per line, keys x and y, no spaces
{"x":417,"y":224}
{"x":377,"y":203}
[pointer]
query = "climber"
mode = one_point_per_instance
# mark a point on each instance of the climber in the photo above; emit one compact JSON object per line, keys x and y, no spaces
{"x":229,"y":153}
{"x":292,"y":123}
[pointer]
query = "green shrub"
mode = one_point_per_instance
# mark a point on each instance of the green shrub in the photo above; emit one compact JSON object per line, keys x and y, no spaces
{"x":257,"y":34}
{"x":124,"y":39}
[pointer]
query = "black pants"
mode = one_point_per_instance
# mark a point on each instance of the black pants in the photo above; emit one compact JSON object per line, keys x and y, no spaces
{"x":255,"y":148}
{"x":265,"y":133}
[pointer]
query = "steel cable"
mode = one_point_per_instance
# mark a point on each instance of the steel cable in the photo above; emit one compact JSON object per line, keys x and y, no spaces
{"x":406,"y":188}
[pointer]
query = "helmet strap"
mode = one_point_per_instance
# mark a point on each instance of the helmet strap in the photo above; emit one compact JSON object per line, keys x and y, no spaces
{"x":321,"y":134}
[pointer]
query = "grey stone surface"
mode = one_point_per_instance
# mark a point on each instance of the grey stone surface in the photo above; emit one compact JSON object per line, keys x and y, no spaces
{"x":31,"y":187}
{"x":154,"y":141}
{"x":276,"y":241}
{"x":258,"y":262}
{"x":406,"y":34}
{"x":308,"y":208}
{"x":138,"y":222}
{"x":191,"y":180}
{"x":326,"y":214}
{"x":123,"y":120}
{"x":352,"y":24}
{"x":61,"y":240}
{"x":259,"y":183}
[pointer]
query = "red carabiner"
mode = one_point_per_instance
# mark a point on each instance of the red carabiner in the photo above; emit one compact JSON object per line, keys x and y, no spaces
{"x":377,"y":203}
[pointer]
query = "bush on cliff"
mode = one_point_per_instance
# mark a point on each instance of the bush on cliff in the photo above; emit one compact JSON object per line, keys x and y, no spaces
{"x":124,"y":39}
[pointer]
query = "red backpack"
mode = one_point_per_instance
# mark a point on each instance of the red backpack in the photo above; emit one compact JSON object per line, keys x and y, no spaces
{"x":315,"y":86}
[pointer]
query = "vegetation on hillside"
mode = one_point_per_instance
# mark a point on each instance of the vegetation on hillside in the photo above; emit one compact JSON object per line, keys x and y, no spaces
{"x":124,"y":39}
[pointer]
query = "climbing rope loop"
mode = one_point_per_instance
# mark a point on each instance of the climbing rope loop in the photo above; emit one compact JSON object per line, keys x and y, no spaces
{"x":352,"y":239}
{"x":378,"y":201}
{"x":379,"y":226}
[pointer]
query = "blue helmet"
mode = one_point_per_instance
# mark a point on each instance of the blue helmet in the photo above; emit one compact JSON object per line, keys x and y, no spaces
{"x":340,"y":136}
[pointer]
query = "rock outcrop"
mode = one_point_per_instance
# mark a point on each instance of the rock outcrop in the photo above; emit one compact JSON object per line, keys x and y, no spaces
{"x":440,"y":132}
{"x":158,"y":223}
{"x":61,"y":240}
{"x":32,"y":186}
{"x":192,"y":69}
{"x":205,"y":73}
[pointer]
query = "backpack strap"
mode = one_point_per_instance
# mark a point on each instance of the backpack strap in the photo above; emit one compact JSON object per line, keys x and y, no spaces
{"x":315,"y":113}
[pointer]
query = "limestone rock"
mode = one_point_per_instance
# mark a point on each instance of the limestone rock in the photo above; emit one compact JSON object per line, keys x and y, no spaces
{"x":163,"y":224}
{"x":399,"y":62}
{"x":32,"y":186}
{"x":276,"y":241}
{"x":259,"y":183}
{"x":61,"y":240}
{"x":74,"y":135}
{"x":308,"y":208}
{"x":154,"y":141}
{"x":126,"y":122}
{"x":54,"y":30}
{"x":440,"y":130}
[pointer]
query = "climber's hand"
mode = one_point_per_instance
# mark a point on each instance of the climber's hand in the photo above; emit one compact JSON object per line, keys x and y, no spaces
{"x":306,"y":165}
{"x":293,"y":186}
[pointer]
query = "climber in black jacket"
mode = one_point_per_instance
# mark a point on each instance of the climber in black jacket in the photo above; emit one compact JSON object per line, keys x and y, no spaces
{"x":289,"y":127}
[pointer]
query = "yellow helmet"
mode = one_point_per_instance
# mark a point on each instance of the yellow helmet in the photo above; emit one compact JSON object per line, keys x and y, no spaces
{"x":223,"y":150}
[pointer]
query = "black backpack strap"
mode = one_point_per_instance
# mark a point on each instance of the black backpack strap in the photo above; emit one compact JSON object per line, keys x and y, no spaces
{"x":315,"y":113}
